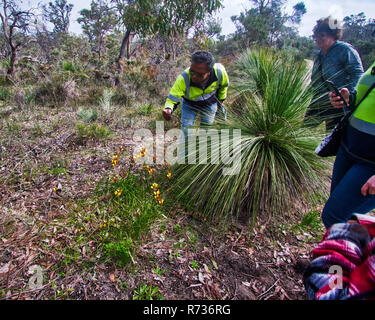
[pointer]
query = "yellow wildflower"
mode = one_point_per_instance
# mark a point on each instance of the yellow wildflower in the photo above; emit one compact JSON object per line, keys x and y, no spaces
{"x":149,"y":169}
{"x":154,"y":186}
{"x":161,"y":201}
{"x":118,"y":192}
{"x":169,"y":175}
{"x":115,"y":159}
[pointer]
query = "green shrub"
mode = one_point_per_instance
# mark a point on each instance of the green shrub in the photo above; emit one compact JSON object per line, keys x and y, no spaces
{"x":105,"y":102}
{"x":4,"y":93}
{"x":145,"y":110}
{"x":147,"y":292}
{"x":55,"y":91}
{"x":120,"y":251}
{"x":311,"y":221}
{"x":13,"y":127}
{"x":69,"y":66}
{"x":121,"y":96}
{"x":88,"y":115}
{"x":93,"y":131}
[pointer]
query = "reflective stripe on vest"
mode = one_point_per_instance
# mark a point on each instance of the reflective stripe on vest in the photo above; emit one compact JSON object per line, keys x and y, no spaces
{"x":367,"y":80}
{"x":205,"y":96}
{"x":173,"y":98}
{"x":187,"y":82}
{"x":362,"y":126}
{"x":219,"y":74}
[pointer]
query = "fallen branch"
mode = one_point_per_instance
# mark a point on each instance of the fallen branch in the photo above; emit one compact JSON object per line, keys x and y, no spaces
{"x":268,"y":290}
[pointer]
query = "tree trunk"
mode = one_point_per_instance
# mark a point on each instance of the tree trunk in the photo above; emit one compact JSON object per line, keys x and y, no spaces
{"x":128,"y":53}
{"x":12,"y":62}
{"x":125,"y":45}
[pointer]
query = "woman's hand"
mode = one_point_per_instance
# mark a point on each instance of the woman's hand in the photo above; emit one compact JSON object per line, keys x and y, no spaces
{"x":336,"y":100}
{"x":369,"y":187}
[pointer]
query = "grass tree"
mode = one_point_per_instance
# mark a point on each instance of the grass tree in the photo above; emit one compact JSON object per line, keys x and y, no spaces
{"x":278,"y":166}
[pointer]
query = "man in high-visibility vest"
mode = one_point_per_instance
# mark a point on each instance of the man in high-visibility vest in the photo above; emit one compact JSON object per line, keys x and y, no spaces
{"x":201,"y":89}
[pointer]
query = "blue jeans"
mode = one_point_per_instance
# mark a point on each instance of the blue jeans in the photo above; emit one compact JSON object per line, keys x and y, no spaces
{"x":189,"y":113}
{"x":188,"y":116}
{"x":346,"y":198}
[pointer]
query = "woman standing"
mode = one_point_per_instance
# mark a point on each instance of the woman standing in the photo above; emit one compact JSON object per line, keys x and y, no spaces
{"x":338,"y":62}
{"x":353,"y":177}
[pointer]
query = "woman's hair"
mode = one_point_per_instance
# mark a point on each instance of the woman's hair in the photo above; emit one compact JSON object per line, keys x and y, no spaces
{"x":331,"y":26}
{"x":203,"y":57}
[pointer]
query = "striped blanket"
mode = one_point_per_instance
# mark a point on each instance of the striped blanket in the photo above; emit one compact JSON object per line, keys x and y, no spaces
{"x":343,"y":264}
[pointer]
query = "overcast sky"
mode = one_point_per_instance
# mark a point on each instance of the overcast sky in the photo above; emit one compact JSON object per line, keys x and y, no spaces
{"x":315,"y":10}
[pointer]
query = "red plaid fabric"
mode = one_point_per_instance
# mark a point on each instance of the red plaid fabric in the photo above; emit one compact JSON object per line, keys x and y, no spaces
{"x":343,"y":264}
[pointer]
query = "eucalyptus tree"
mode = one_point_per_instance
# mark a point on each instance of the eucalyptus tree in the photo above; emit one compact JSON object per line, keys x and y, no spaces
{"x":97,"y":22}
{"x":360,"y":32}
{"x":161,"y":17}
{"x":58,"y":13}
{"x":265,"y":22}
{"x":15,"y":24}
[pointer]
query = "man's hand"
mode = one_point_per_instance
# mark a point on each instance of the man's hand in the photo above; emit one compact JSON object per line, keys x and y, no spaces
{"x":336,"y":100}
{"x":167,"y":114}
{"x":369,"y":187}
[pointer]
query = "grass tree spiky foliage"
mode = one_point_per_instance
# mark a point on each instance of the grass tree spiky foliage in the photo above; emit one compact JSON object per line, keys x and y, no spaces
{"x":278,"y":166}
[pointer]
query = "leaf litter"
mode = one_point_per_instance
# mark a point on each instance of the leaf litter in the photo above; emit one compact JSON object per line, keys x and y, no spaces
{"x":36,"y":228}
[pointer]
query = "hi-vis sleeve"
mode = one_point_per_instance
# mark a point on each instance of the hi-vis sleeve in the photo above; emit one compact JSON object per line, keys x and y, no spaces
{"x":223,"y":83}
{"x":176,"y":94}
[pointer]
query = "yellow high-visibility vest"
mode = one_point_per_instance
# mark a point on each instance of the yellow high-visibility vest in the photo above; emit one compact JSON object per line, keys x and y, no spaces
{"x":363,"y":118}
{"x":184,"y":89}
